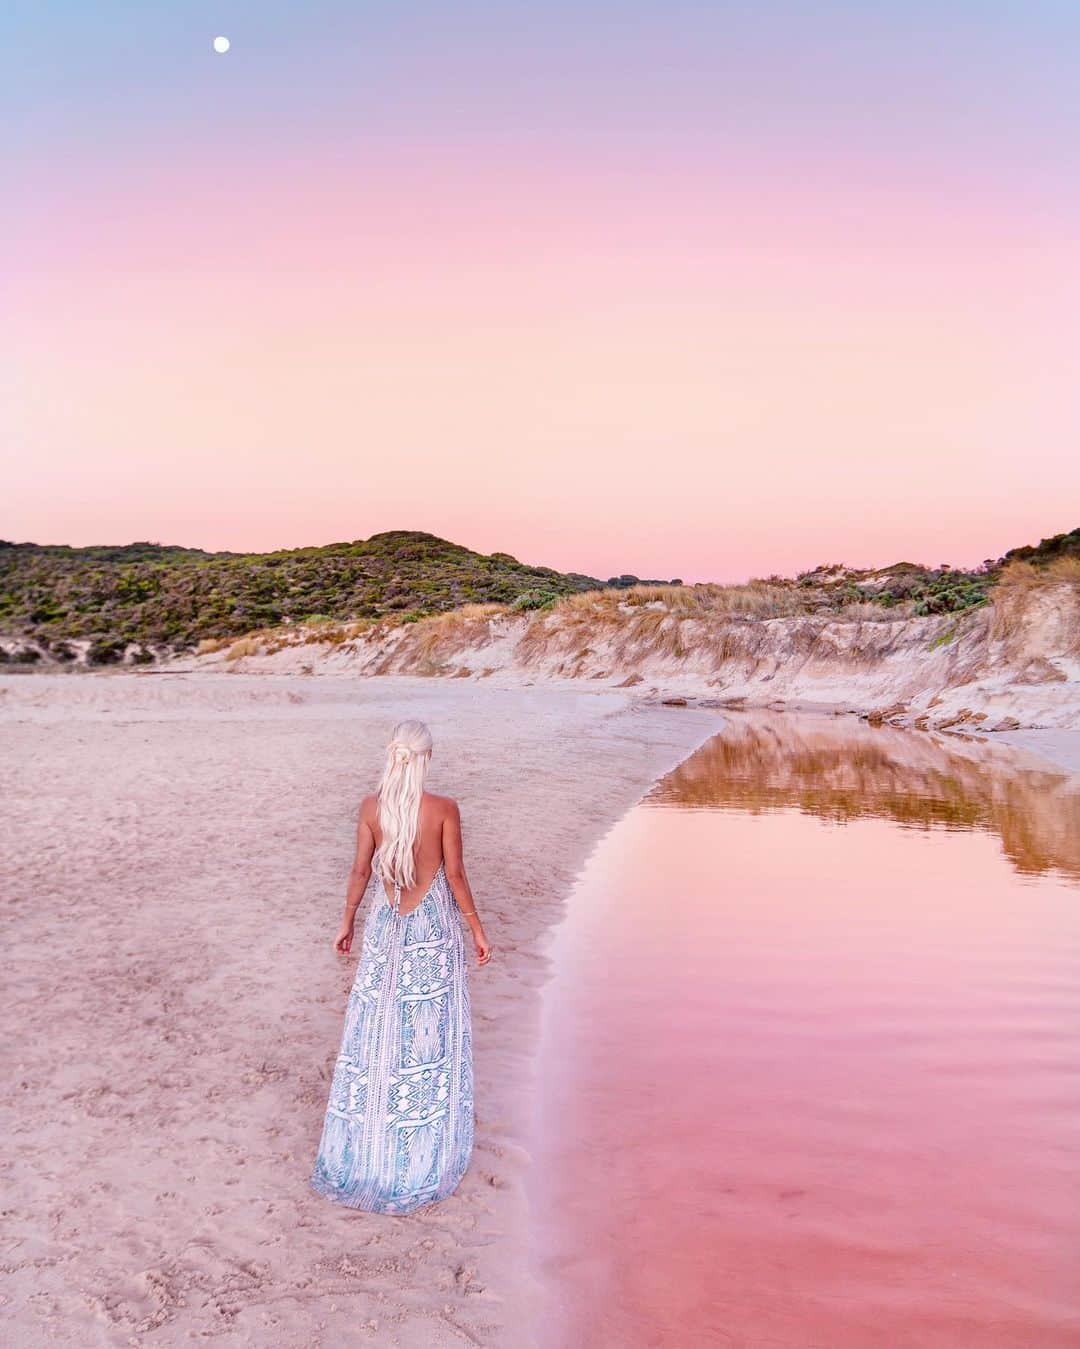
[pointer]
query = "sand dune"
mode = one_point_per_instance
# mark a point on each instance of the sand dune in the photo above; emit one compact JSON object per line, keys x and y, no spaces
{"x":1009,"y":665}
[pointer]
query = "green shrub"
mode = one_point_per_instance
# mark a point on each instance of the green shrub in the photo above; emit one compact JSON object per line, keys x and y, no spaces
{"x":105,"y":651}
{"x":536,"y":599}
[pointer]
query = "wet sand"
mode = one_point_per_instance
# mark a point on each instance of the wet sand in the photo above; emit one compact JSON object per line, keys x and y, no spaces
{"x":174,"y":855}
{"x":810,"y":1053}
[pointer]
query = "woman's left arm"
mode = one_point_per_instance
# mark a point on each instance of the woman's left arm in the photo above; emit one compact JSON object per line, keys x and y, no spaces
{"x":358,"y":882}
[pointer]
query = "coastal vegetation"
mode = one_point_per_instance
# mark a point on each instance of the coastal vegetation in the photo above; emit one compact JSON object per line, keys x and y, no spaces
{"x":142,"y":602}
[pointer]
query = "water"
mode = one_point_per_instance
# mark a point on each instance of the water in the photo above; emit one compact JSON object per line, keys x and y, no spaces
{"x":811,"y":1055}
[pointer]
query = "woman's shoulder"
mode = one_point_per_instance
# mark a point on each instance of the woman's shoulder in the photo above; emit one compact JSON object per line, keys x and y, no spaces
{"x":445,"y":805}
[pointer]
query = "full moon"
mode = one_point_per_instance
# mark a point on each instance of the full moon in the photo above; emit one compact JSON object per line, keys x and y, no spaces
{"x":221,"y":45}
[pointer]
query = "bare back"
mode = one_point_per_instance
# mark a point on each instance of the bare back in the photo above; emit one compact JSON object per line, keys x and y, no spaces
{"x":438,"y":840}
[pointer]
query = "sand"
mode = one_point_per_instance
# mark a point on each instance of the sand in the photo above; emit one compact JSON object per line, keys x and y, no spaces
{"x":174,"y":858}
{"x":1061,"y":748}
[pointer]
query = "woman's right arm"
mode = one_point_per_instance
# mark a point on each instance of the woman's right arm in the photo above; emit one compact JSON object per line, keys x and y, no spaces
{"x":358,"y":881}
{"x":454,"y":861}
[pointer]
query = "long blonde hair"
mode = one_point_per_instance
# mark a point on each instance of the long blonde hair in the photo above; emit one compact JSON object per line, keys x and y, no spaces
{"x":408,"y":754}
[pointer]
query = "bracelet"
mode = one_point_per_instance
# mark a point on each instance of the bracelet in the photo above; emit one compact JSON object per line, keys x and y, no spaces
{"x":469,"y":913}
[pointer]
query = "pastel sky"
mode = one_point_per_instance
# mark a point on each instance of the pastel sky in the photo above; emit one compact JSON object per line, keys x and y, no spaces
{"x":704,"y":290}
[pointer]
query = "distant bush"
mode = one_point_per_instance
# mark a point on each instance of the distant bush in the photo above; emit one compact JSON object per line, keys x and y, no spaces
{"x":950,"y":592}
{"x":535,"y":599}
{"x":626,"y":580}
{"x":1046,"y":550}
{"x":105,"y":652}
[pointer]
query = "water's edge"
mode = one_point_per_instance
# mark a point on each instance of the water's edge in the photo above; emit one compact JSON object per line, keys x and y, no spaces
{"x":532,"y":1297}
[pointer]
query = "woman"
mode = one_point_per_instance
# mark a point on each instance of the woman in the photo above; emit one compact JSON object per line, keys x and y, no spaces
{"x":398,"y":1132}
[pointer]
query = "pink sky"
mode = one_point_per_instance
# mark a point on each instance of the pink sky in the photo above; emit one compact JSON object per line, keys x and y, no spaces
{"x":599,"y":354}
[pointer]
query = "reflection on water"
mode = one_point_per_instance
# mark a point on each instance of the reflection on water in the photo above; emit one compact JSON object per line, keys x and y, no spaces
{"x":811,"y":1060}
{"x":842,"y":770}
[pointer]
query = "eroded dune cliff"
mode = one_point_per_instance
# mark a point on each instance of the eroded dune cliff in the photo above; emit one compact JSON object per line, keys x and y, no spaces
{"x":1014,"y":662}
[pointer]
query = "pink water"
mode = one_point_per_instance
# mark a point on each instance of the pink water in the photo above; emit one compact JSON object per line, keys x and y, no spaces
{"x":811,"y":1057}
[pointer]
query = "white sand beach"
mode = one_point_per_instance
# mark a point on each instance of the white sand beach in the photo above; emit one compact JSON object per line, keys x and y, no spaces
{"x":174,"y":851}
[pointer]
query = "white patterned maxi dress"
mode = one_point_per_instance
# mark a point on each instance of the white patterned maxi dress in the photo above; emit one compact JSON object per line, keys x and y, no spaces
{"x":398,"y":1132}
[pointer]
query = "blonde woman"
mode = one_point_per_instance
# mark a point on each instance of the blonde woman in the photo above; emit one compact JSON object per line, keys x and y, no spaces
{"x":398,"y":1132}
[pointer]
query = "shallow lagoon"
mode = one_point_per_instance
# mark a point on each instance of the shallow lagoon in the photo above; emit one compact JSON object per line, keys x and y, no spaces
{"x":811,"y":1053}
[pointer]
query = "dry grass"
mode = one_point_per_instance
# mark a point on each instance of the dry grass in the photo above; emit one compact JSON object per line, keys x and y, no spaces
{"x":1026,"y":576}
{"x":756,"y":599}
{"x":432,"y":641}
{"x":568,"y":625}
{"x":1020,"y":576}
{"x":642,"y":621}
{"x":651,"y":632}
{"x":268,"y":641}
{"x":245,"y":646}
{"x":663,"y":620}
{"x":714,"y":623}
{"x":1013,"y":598}
{"x":865,"y":611}
{"x":1065,"y":569}
{"x":670,"y":597}
{"x":329,"y":634}
{"x":590,"y":602}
